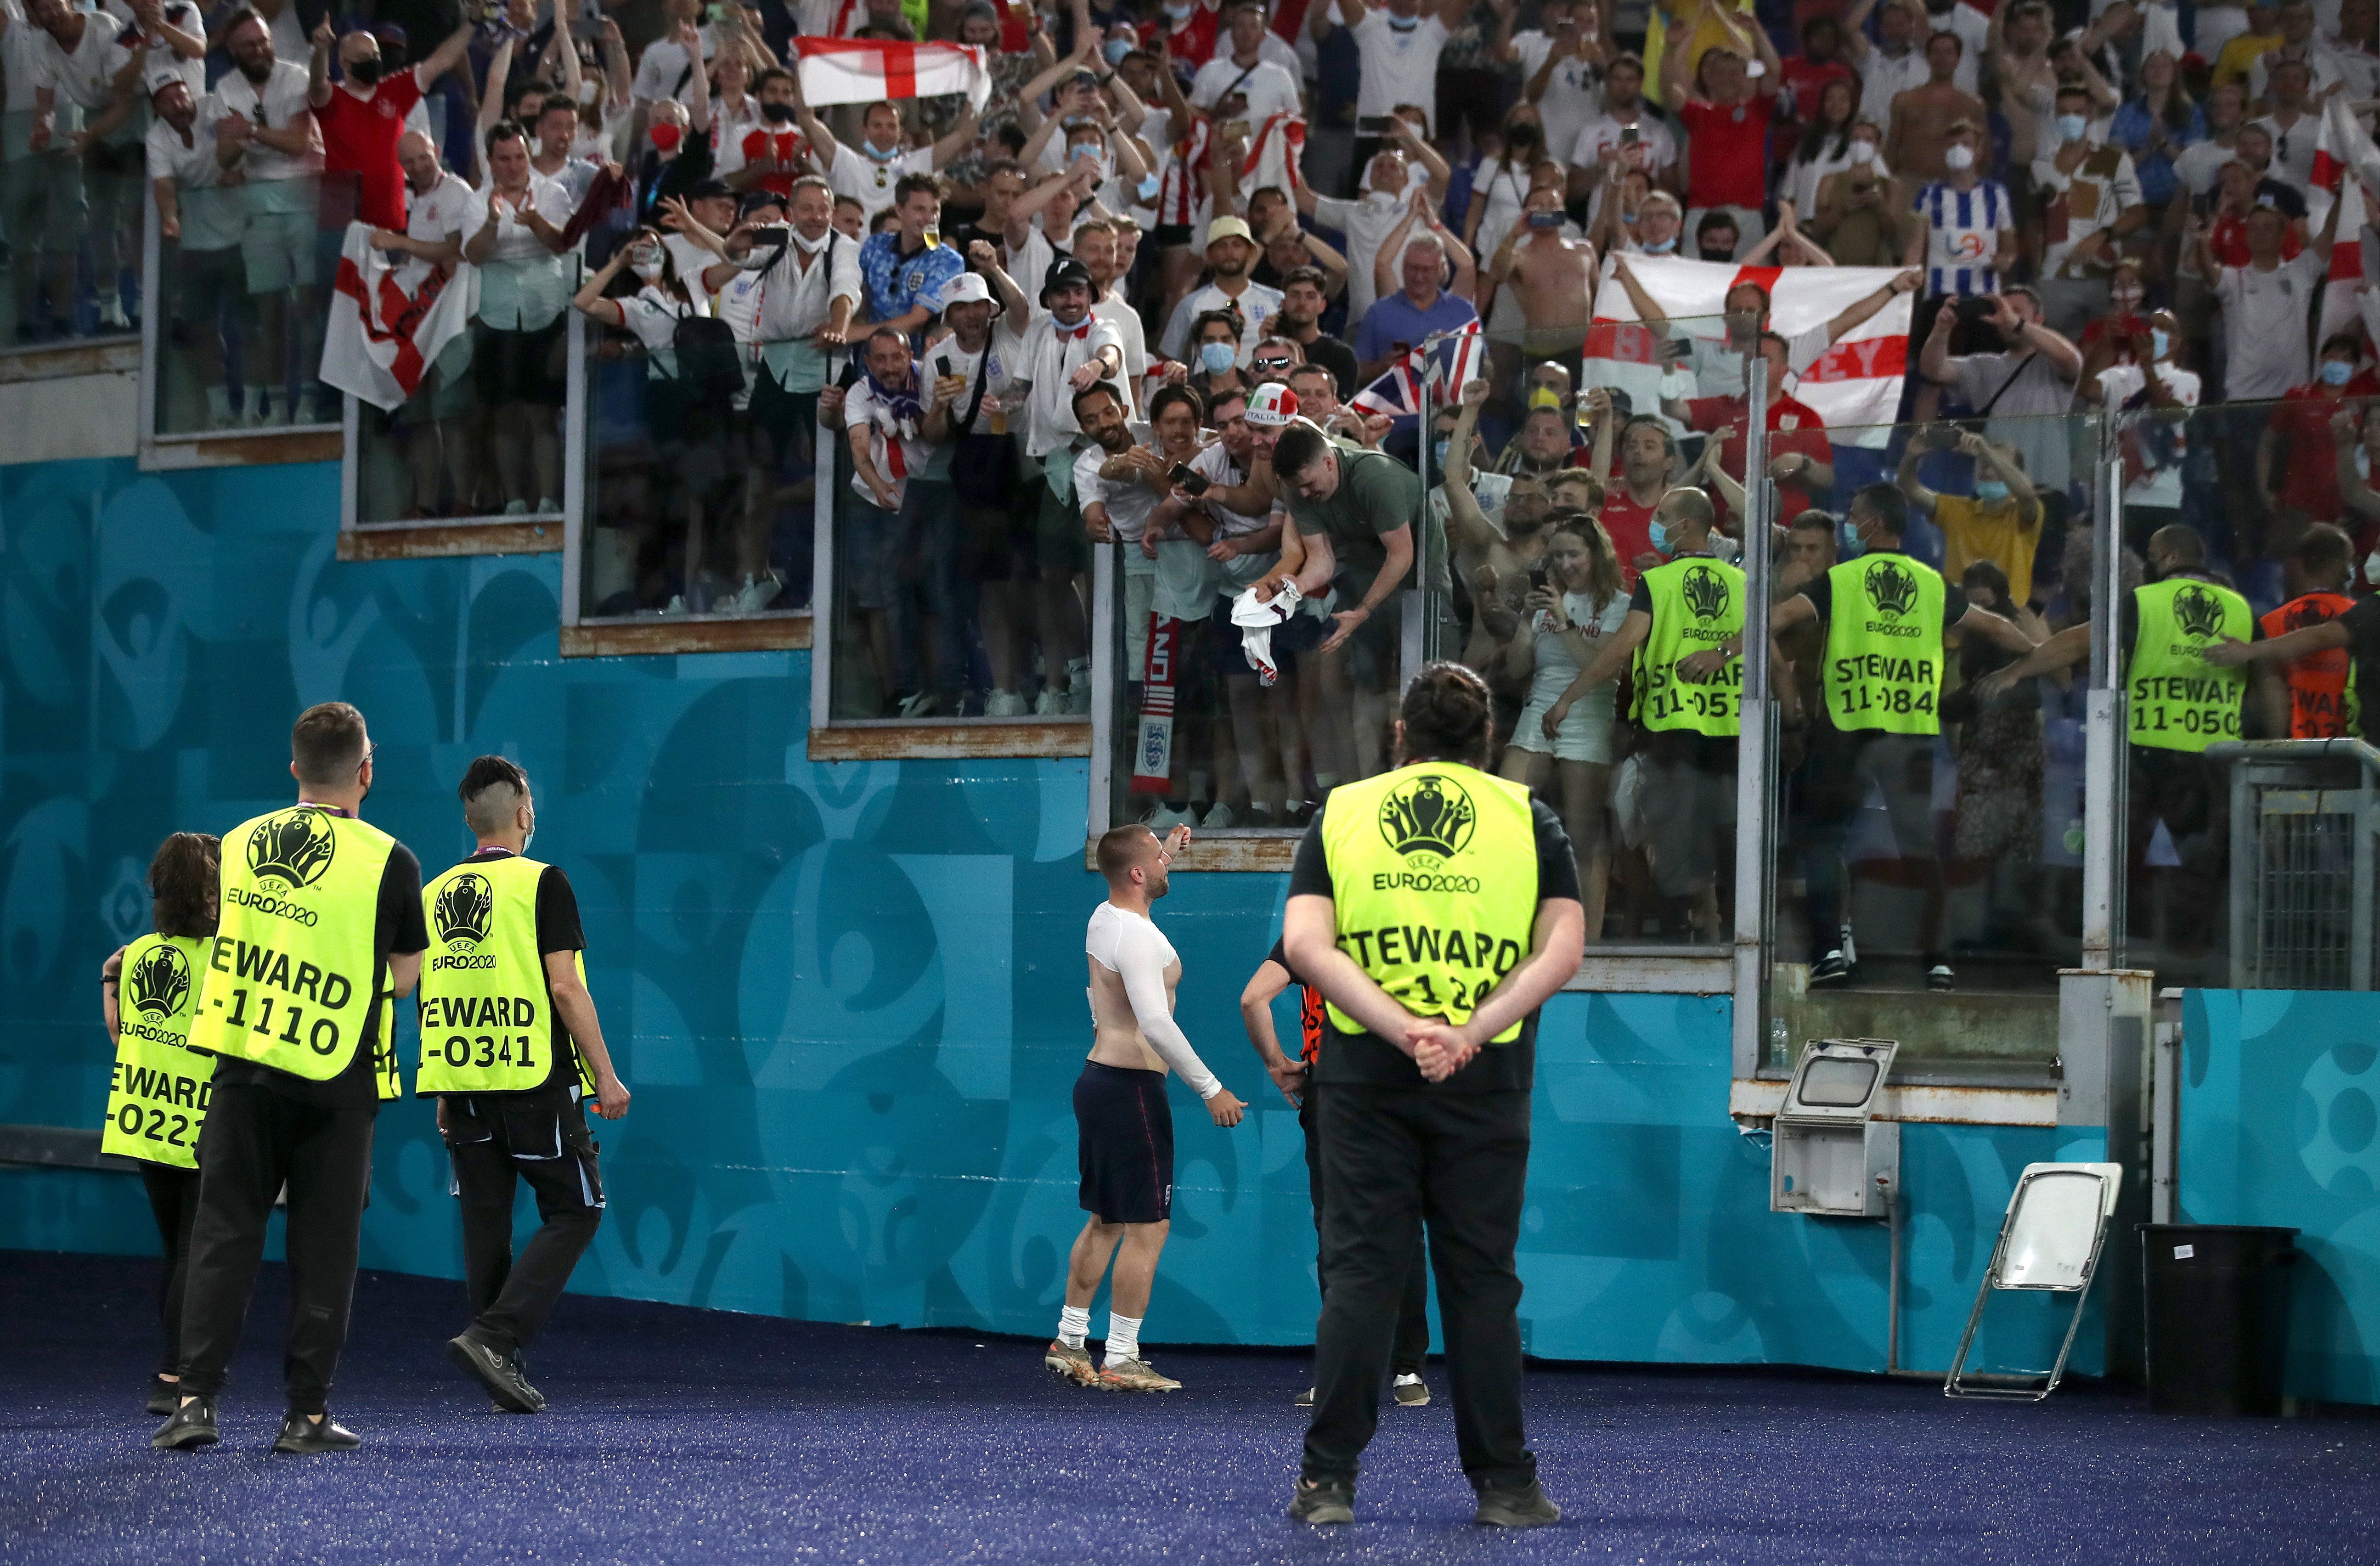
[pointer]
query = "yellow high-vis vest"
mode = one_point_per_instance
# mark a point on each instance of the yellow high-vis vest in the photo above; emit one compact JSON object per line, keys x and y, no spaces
{"x":1433,"y":880}
{"x":157,"y":1099}
{"x":487,"y":1022}
{"x":1884,"y":645}
{"x":2178,"y":700}
{"x":291,"y":974}
{"x":1697,"y":605}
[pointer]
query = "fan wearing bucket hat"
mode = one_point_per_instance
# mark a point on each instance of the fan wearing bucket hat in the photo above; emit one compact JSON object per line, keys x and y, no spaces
{"x":1230,"y":252}
{"x":197,"y":209}
{"x":1057,"y":350}
{"x":962,"y":518}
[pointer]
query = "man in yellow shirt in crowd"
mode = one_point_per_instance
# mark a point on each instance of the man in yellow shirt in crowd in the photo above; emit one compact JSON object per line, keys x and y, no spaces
{"x":2000,"y":522}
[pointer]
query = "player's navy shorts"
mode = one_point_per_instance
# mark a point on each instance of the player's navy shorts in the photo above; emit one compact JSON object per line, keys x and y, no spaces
{"x":1125,"y":1138}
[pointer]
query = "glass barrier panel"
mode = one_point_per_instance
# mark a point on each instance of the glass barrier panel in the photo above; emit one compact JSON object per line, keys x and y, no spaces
{"x":1928,"y":828}
{"x":1545,"y":474}
{"x":699,"y":499}
{"x":73,"y":223}
{"x":449,"y":453}
{"x":962,"y":590}
{"x":243,"y":293}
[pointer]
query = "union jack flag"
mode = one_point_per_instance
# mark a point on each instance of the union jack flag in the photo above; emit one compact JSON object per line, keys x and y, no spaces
{"x":1450,"y":363}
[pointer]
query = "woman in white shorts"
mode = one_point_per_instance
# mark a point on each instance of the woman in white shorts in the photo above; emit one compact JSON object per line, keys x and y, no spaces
{"x":1568,"y":762}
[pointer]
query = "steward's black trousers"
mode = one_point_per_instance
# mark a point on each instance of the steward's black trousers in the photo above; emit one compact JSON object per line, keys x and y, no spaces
{"x":494,"y":1139}
{"x":1392,"y":1158}
{"x":255,"y":1140}
{"x":174,"y":1202}
{"x":1413,"y":1309}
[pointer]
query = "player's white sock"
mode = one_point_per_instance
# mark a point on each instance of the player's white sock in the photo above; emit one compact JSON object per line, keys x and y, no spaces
{"x":1123,"y":1340}
{"x":1073,"y":1324}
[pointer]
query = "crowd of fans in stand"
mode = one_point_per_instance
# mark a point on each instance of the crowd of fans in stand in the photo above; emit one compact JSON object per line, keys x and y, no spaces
{"x":1069,"y":320}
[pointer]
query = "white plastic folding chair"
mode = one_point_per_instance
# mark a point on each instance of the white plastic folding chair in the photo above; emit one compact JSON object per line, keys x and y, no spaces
{"x":2050,"y":1242}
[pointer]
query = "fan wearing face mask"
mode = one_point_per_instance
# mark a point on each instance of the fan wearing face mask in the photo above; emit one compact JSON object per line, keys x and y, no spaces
{"x":362,"y":114}
{"x":1966,"y":227}
{"x":1863,"y":216}
{"x":2297,"y":455}
{"x":1403,"y":162}
{"x":1999,"y":522}
{"x":1832,"y":127}
{"x":2094,"y":201}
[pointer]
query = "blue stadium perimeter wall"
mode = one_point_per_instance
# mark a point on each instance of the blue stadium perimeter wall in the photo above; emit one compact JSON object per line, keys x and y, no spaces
{"x":2280,"y":1124}
{"x":848,"y":997}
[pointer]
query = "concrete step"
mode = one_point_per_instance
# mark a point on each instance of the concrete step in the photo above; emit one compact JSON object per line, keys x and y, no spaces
{"x":1957,"y":1026}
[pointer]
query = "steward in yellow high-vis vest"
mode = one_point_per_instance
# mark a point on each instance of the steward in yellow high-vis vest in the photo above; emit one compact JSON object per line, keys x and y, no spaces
{"x":157,"y":1097}
{"x":2181,"y":639}
{"x":319,"y":932}
{"x":2174,"y":700}
{"x":1435,"y":908}
{"x":1885,"y":618}
{"x":1687,"y":688}
{"x":512,"y":1049}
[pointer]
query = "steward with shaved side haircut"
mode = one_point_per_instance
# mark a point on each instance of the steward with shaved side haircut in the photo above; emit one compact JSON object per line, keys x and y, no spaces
{"x":512,"y":1049}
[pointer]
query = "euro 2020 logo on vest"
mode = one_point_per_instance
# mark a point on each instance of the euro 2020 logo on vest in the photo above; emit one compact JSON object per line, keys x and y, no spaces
{"x":465,"y":908}
{"x":1430,"y":814}
{"x":1704,"y":593}
{"x":294,"y":846}
{"x":1891,"y":588}
{"x":2198,"y":612}
{"x":159,"y":982}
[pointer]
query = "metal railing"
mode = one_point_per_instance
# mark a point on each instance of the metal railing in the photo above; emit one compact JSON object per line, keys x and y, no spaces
{"x":2305,"y":816}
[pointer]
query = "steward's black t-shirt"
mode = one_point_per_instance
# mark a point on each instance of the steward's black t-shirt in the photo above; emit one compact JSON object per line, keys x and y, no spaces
{"x":558,"y":930}
{"x":1365,"y":1057}
{"x":397,"y":928}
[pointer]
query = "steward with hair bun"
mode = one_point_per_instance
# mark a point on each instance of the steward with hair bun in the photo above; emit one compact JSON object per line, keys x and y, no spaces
{"x":1435,"y":908}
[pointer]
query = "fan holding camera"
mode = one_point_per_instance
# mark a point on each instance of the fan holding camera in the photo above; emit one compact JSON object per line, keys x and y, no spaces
{"x":2019,"y":389}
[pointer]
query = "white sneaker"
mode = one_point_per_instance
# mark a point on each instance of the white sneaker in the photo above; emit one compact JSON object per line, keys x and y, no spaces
{"x":517,"y":508}
{"x":1221,"y":816}
{"x":110,"y":315}
{"x":677,"y":604}
{"x":1050,"y":703}
{"x":549,"y":507}
{"x":755,"y":594}
{"x":1167,"y":818}
{"x":1004,"y":704}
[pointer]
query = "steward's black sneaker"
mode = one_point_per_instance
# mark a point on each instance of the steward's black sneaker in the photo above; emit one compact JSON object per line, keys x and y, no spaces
{"x":163,"y":1396}
{"x":193,"y":1425}
{"x":1522,"y":1507}
{"x":497,"y":1371}
{"x":1833,"y":968}
{"x":306,"y":1437}
{"x":1939,"y":974}
{"x":1321,"y":1501}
